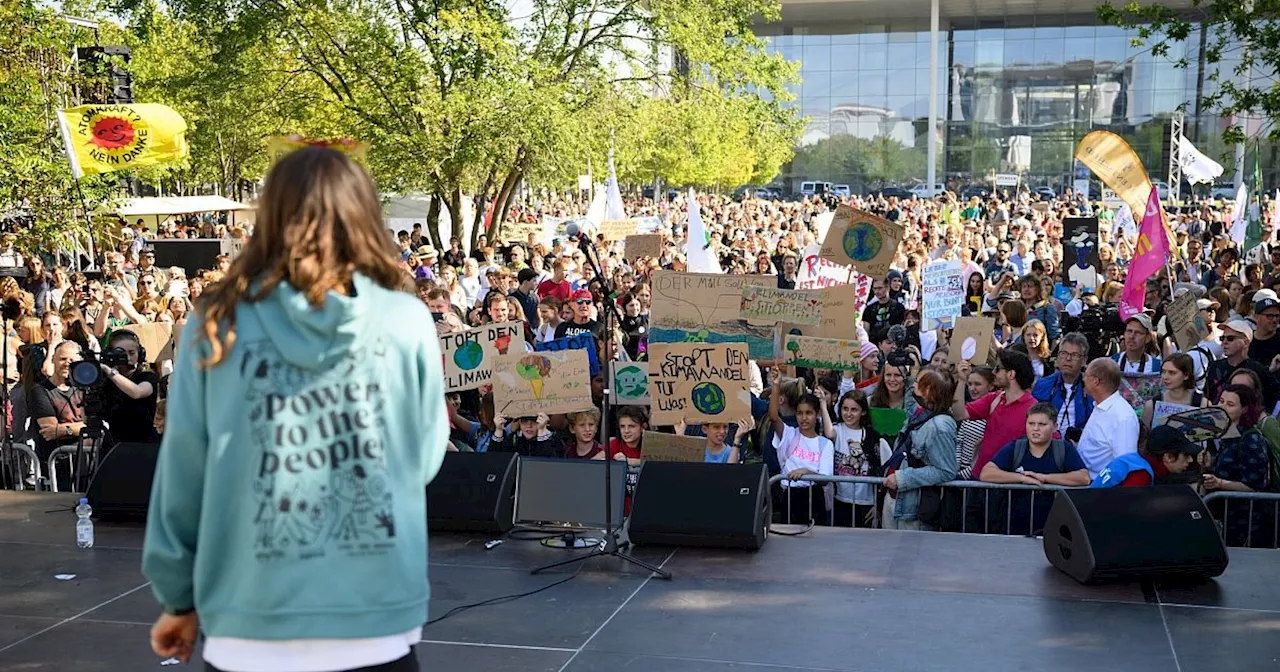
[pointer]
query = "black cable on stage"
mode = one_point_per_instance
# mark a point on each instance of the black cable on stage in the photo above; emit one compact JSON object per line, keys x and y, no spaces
{"x":505,"y":598}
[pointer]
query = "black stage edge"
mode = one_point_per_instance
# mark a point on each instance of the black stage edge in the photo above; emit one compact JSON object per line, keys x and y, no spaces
{"x":865,"y":600}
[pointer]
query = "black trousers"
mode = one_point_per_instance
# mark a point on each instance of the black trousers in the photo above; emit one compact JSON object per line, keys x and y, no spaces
{"x":407,"y":664}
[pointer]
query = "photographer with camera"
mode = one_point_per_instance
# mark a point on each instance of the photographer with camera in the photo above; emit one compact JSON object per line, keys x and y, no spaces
{"x":131,"y":395}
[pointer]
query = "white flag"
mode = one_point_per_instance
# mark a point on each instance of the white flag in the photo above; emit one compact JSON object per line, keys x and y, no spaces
{"x":613,"y":197}
{"x":1239,"y":214}
{"x":1275,"y":212}
{"x":595,"y":211}
{"x":702,"y":259}
{"x":1196,"y":167}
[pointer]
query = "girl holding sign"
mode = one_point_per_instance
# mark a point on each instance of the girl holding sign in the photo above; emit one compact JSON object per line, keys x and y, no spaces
{"x":801,"y":450}
{"x":1178,"y":375}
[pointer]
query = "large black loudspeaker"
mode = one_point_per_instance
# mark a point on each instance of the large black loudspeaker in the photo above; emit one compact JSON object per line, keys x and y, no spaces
{"x":121,"y":488}
{"x":1125,"y":534}
{"x":696,"y":504}
{"x":473,"y":492}
{"x":194,"y":254}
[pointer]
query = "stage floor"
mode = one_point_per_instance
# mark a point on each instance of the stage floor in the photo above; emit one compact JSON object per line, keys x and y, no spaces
{"x":865,"y":600}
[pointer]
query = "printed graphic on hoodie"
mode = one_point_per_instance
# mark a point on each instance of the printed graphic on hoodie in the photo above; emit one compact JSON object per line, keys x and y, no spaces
{"x":321,"y":471}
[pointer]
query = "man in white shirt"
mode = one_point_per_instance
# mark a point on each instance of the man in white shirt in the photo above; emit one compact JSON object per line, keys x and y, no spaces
{"x":1112,"y":429}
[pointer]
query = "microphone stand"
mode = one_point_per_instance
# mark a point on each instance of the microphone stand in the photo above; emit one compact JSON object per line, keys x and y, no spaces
{"x":609,"y":545}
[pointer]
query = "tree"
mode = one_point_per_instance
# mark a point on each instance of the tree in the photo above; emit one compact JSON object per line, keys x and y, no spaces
{"x":37,"y":190}
{"x":1239,"y":38}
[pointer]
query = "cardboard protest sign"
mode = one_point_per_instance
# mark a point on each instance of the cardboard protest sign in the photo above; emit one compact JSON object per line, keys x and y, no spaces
{"x":698,"y":382}
{"x":862,"y":240}
{"x":617,"y":229}
{"x":822,"y":353}
{"x":1139,"y":388}
{"x":662,"y":447}
{"x":1080,"y":251}
{"x":526,"y":384}
{"x":1185,"y":322}
{"x":1161,"y":410}
{"x":469,"y":355}
{"x":644,"y":245}
{"x":942,"y":293}
{"x":583,"y":341}
{"x":838,"y":304}
{"x":971,"y":340}
{"x":781,"y":305}
{"x":704,"y":308}
{"x":629,"y":382}
{"x":155,"y":338}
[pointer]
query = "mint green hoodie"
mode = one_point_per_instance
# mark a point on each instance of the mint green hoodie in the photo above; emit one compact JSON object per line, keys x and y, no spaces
{"x":289,"y":498}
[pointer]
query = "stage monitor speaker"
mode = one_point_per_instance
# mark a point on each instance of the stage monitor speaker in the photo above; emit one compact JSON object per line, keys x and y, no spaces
{"x":1127,"y":534}
{"x":121,"y":487}
{"x":473,"y":492}
{"x":194,"y":254}
{"x":697,"y":504}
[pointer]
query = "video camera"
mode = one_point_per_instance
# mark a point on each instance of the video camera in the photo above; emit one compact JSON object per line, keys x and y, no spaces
{"x":87,"y":373}
{"x":1100,"y":324}
{"x":899,"y":356}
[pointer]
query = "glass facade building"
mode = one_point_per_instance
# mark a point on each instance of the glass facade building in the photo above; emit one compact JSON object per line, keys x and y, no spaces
{"x":1018,"y":86}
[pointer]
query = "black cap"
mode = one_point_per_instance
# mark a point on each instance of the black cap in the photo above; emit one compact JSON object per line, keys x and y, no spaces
{"x":527,"y":274}
{"x":1166,"y":439}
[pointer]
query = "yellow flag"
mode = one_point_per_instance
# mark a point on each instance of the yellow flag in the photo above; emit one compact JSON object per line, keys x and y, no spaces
{"x":281,"y":146}
{"x":104,"y":138}
{"x":1118,"y":166}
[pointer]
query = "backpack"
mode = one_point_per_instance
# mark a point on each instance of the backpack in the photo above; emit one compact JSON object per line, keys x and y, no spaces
{"x":1269,"y":428}
{"x":1058,"y":447}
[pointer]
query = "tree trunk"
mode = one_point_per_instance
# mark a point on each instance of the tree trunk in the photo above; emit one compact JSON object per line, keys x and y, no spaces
{"x":503,"y":202}
{"x":455,"y":212}
{"x":478,"y":222}
{"x":433,"y":223}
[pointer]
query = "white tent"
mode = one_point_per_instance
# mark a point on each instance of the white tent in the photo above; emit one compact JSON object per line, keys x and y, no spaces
{"x":156,"y":209}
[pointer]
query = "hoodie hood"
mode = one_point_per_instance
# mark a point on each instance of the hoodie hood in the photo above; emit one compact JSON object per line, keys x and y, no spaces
{"x":309,"y":337}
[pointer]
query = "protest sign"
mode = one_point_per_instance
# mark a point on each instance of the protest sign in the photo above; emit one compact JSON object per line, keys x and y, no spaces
{"x":862,"y":240}
{"x":1201,"y":424}
{"x":582,"y":341}
{"x":781,"y":305}
{"x":971,"y":340}
{"x":822,"y":353}
{"x":648,"y":224}
{"x":155,"y":338}
{"x":816,"y":272}
{"x":469,"y":355}
{"x":1139,"y":388}
{"x":663,"y":447}
{"x":629,"y":382}
{"x":526,"y":384}
{"x":617,"y":229}
{"x":644,"y":245}
{"x":698,"y":382}
{"x":942,"y":293}
{"x":839,"y":303}
{"x":822,"y":223}
{"x":888,"y":421}
{"x":1161,"y":410}
{"x":1185,"y":322}
{"x":1080,"y":251}
{"x":1063,"y":293}
{"x":704,"y":308}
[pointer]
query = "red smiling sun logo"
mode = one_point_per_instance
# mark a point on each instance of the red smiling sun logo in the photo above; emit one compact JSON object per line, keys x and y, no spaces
{"x":113,"y":133}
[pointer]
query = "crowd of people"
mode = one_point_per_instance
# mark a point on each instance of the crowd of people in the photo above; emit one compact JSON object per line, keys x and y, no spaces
{"x":1046,"y":410}
{"x":1050,"y":412}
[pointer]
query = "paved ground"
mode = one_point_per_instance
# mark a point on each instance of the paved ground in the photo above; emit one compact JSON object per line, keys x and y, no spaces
{"x":865,"y":600}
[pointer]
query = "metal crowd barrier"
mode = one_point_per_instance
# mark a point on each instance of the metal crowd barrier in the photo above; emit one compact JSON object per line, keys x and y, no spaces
{"x":972,"y":513}
{"x":1261,"y":528}
{"x":12,"y":460}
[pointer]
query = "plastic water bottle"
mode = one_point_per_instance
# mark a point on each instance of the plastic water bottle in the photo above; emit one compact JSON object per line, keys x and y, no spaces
{"x":84,"y":526}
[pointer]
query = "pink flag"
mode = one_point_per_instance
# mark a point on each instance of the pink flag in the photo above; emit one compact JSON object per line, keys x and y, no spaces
{"x":1149,"y":255}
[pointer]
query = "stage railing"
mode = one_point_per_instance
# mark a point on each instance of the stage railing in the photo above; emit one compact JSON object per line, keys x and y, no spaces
{"x":18,"y":471}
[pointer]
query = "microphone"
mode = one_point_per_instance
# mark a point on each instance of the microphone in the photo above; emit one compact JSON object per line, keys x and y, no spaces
{"x":573,"y":230}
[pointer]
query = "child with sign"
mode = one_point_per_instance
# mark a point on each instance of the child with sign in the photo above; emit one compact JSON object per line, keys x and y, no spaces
{"x":802,"y":450}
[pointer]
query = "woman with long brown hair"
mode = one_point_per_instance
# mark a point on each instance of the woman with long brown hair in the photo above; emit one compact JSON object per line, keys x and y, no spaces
{"x":306,"y":415}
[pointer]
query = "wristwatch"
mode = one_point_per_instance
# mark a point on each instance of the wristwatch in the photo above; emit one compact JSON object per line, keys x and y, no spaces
{"x":174,"y":611}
